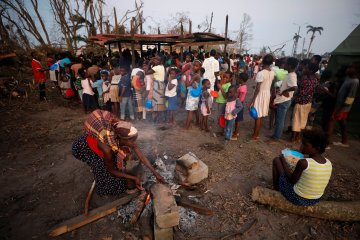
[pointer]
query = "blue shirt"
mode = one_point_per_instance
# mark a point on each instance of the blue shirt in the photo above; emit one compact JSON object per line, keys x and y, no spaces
{"x":125,"y":81}
{"x":98,"y":85}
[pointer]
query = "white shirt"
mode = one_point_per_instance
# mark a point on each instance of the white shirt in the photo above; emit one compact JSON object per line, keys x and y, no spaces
{"x":115,"y":79}
{"x":172,"y":92}
{"x":86,"y":87}
{"x":135,"y":71}
{"x":231,"y":64}
{"x":211,"y":65}
{"x":289,"y":81}
{"x":148,"y":81}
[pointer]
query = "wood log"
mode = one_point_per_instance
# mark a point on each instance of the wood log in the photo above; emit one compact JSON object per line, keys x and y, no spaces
{"x":140,"y":205}
{"x":88,"y":198}
{"x":146,"y":226}
{"x":93,"y":215}
{"x":329,"y":210}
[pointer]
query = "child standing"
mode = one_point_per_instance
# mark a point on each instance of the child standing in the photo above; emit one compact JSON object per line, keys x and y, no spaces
{"x":98,"y":84}
{"x":233,"y":107}
{"x":206,"y":103}
{"x":114,"y":91}
{"x":306,"y":184}
{"x":89,"y":100}
{"x":193,"y":96}
{"x":106,"y":95}
{"x":241,"y":94}
{"x":77,"y":83}
{"x":221,"y":100}
{"x":170,"y":93}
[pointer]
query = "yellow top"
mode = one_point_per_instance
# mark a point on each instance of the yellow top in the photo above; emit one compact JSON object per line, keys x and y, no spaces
{"x":314,"y":179}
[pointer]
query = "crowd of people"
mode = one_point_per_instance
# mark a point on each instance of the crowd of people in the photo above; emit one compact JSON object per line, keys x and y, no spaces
{"x":207,"y":85}
{"x":214,"y":86}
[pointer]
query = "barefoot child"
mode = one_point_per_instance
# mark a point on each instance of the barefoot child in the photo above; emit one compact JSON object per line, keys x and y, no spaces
{"x":170,"y":93}
{"x":307,"y":183}
{"x":233,"y":107}
{"x":241,"y":93}
{"x":206,"y":102}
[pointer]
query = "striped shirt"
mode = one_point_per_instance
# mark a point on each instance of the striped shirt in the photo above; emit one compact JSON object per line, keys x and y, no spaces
{"x":314,"y":179}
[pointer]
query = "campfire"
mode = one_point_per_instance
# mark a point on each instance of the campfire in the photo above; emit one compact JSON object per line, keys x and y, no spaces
{"x":157,"y":209}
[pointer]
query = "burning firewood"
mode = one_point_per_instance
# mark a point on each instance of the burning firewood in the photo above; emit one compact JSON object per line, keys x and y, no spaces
{"x":142,"y":201}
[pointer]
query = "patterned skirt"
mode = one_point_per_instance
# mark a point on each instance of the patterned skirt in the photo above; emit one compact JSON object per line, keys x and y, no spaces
{"x":159,"y":96}
{"x":139,"y":101}
{"x":106,"y":184}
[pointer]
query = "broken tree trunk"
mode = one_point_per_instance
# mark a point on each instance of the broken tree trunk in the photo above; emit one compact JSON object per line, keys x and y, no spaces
{"x":93,"y":215}
{"x":329,"y":210}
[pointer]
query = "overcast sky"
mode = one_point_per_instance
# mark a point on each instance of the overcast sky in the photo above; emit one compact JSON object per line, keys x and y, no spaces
{"x":273,"y":21}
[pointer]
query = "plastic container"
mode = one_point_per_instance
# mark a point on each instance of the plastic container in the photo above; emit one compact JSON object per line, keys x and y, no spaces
{"x":292,"y":157}
{"x":253,"y":113}
{"x":195,"y":92}
{"x":148,"y":104}
{"x":222,"y":121}
{"x":214,"y":94}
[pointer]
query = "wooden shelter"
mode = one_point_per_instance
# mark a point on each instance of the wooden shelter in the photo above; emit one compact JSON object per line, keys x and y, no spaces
{"x":171,"y":40}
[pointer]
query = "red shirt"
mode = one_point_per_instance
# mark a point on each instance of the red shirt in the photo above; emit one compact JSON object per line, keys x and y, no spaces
{"x":38,"y":75}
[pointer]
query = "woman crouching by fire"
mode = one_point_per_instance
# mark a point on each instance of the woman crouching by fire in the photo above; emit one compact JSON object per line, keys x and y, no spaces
{"x":106,"y":146}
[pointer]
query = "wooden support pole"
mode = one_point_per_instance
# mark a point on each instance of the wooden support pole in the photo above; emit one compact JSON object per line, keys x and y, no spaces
{"x":141,"y":22}
{"x":116,"y":22}
{"x":119,"y":46}
{"x":109,"y":49}
{"x":107,"y":27}
{"x":336,"y":211}
{"x":159,"y":45}
{"x":81,"y":220}
{"x":132,"y":43}
{"x":190,"y":31}
{"x":226,"y":32}
{"x":181,"y":48}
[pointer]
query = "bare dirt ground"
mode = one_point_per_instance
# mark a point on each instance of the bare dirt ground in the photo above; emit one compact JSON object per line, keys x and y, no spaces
{"x":42,"y":184}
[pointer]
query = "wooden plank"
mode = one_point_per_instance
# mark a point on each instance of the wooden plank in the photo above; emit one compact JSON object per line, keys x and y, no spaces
{"x":329,"y":210}
{"x":93,"y":215}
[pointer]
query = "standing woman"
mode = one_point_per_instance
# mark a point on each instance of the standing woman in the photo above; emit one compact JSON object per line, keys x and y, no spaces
{"x":106,"y":146}
{"x":261,"y":98}
{"x":157,"y":69}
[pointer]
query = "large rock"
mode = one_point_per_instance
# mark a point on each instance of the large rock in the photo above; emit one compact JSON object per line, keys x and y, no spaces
{"x":166,"y":210}
{"x":190,"y":170}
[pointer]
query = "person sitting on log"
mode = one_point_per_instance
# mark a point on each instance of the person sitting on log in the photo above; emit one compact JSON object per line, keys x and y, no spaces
{"x":106,"y":146}
{"x":306,"y":184}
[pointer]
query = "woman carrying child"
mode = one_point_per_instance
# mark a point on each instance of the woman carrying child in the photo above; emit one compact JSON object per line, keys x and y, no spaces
{"x":306,"y":184}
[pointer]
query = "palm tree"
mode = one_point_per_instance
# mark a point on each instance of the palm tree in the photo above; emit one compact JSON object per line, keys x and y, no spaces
{"x":313,"y":30}
{"x":296,"y":40}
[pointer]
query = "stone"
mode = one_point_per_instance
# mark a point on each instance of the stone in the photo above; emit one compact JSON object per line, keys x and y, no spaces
{"x":166,"y":211}
{"x":190,"y":170}
{"x":163,"y":233}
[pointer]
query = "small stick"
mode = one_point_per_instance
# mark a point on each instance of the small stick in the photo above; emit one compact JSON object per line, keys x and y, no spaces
{"x":88,"y":198}
{"x":243,"y":230}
